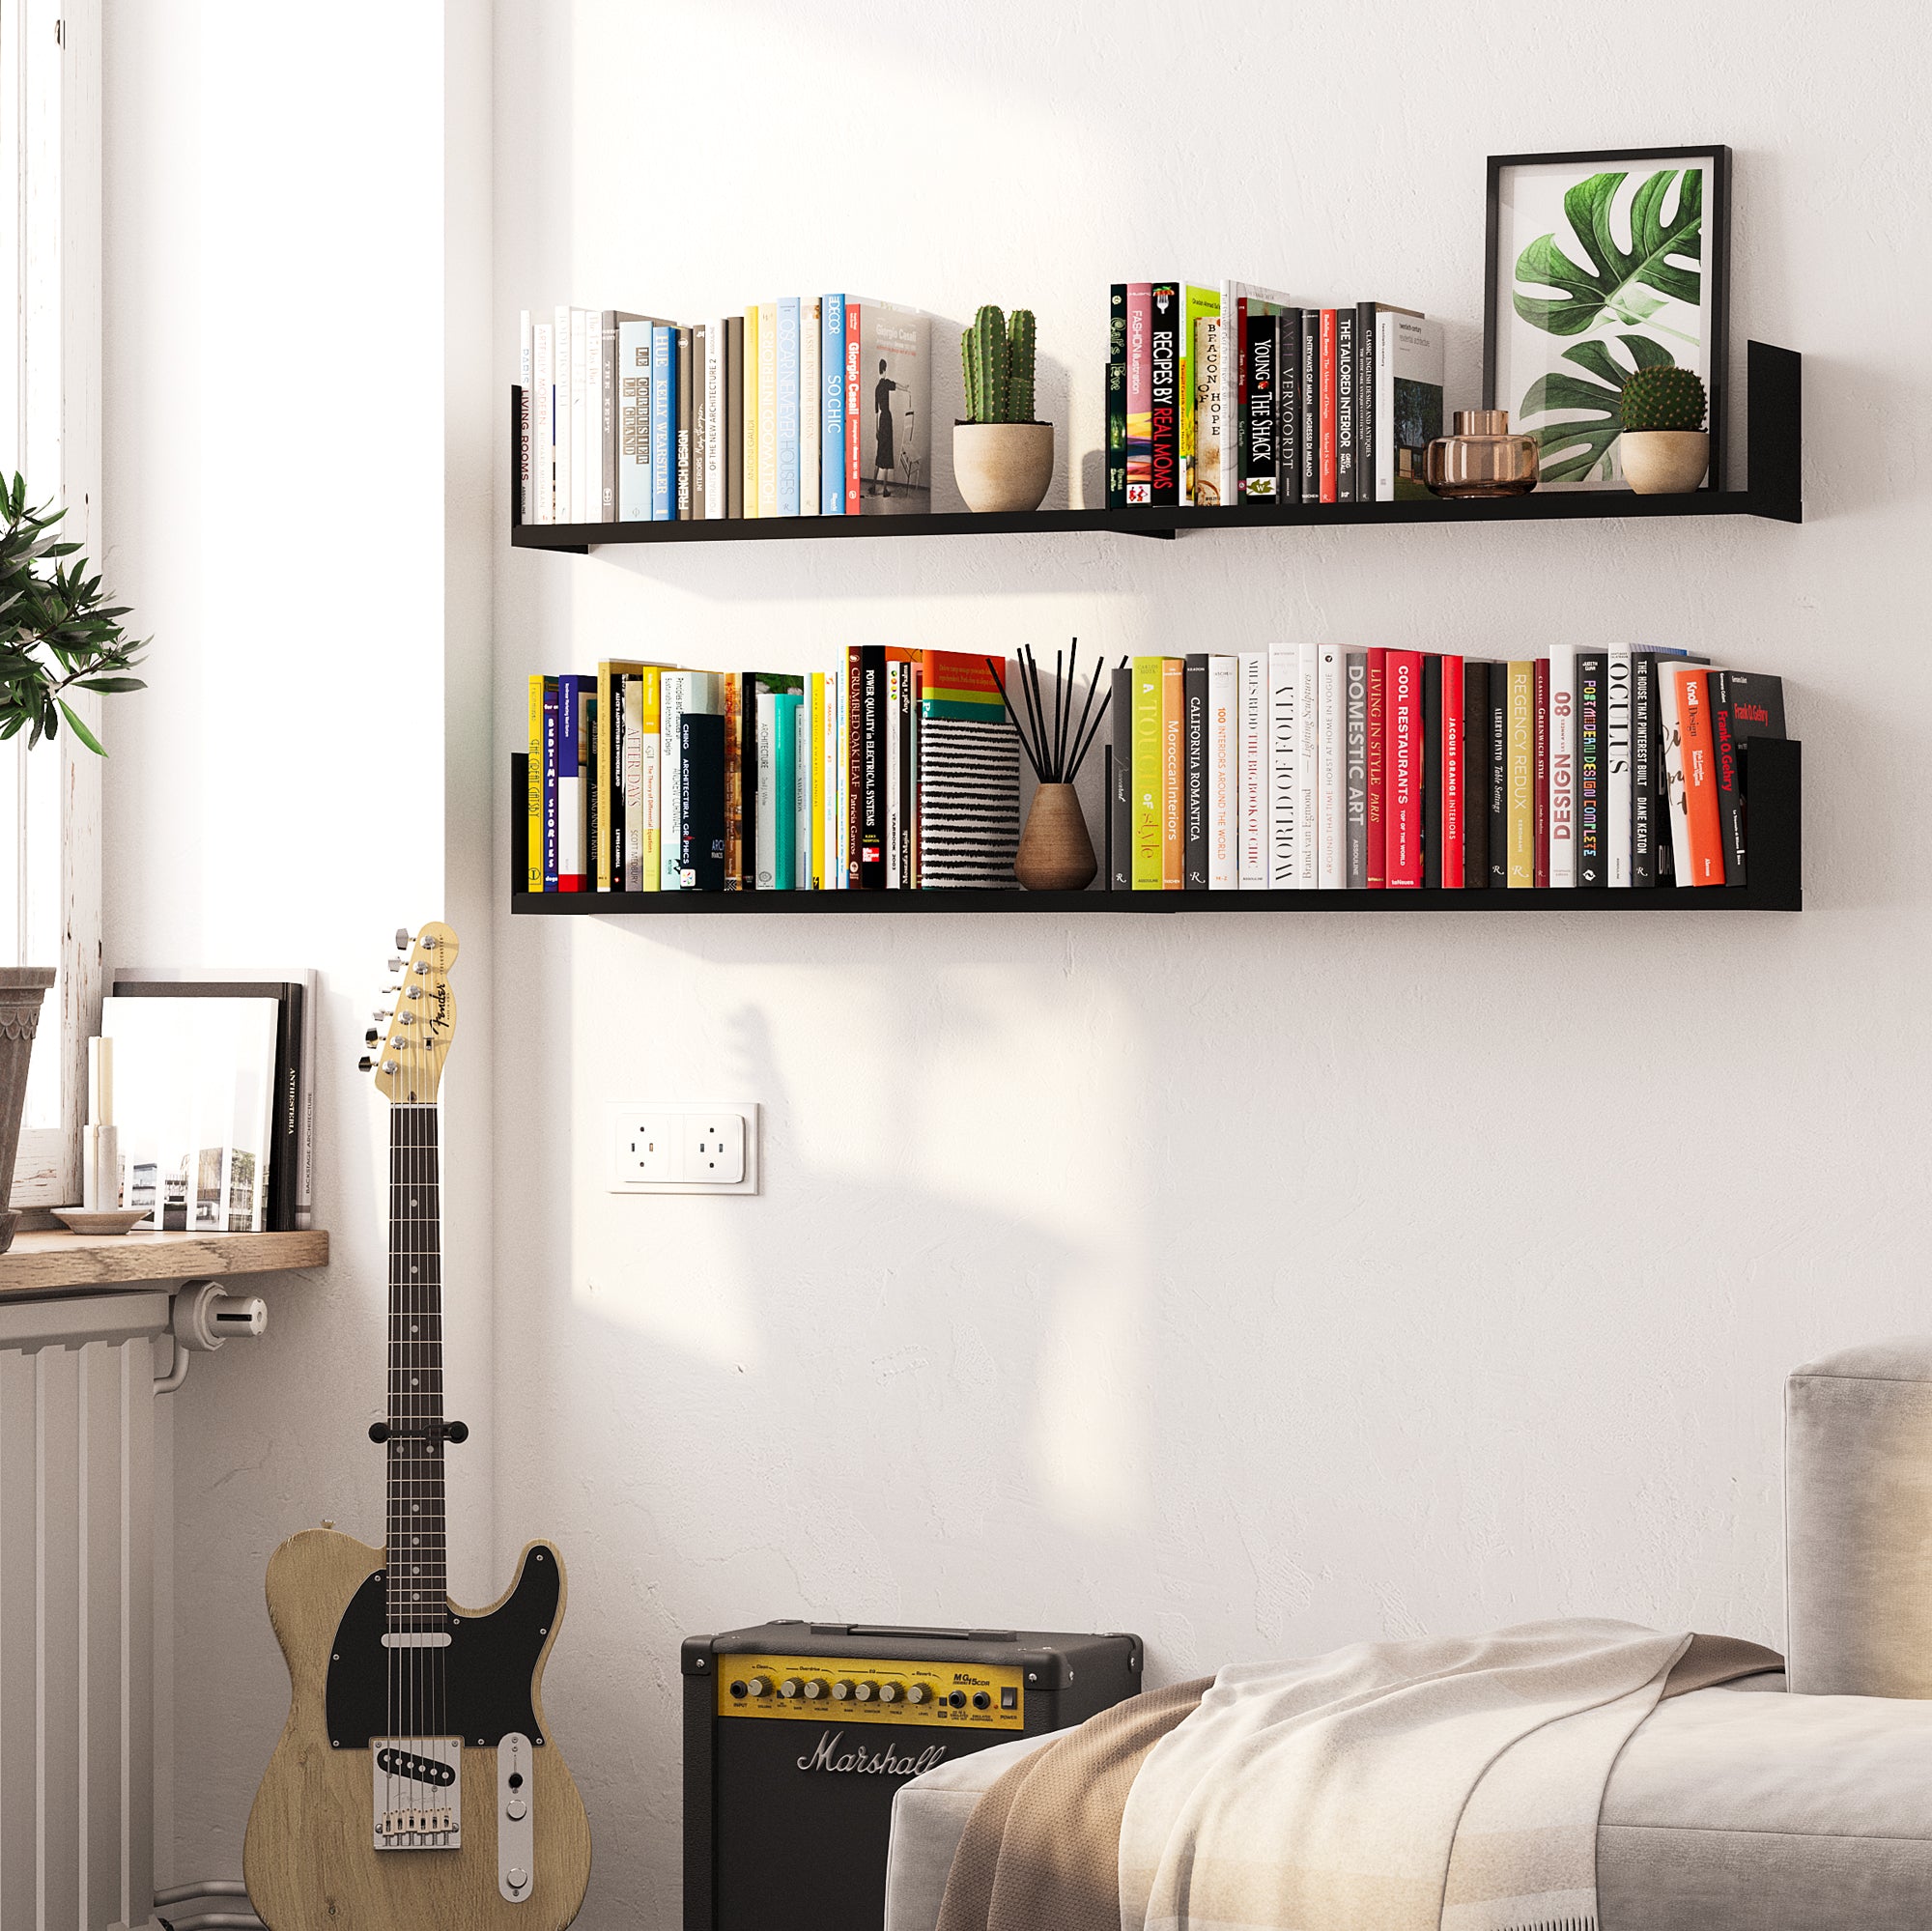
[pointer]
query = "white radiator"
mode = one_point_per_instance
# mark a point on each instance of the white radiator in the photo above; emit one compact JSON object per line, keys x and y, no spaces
{"x":77,"y":1612}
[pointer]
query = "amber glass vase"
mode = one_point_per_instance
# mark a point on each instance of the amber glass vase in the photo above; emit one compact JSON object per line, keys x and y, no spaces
{"x":1484,"y":458}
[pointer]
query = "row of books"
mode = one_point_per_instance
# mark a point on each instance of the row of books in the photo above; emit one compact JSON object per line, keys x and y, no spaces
{"x":1315,"y":767}
{"x":1243,"y":394}
{"x":806,"y":405}
{"x":899,"y":769}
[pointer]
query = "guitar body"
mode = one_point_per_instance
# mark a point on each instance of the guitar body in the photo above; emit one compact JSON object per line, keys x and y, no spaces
{"x":308,"y":1858}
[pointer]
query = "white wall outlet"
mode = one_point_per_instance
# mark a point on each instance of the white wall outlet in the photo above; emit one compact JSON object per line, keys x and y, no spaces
{"x":683,"y":1146}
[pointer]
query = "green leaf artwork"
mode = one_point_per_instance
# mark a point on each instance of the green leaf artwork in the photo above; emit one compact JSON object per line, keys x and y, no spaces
{"x":1627,"y":286}
{"x":1569,"y":451}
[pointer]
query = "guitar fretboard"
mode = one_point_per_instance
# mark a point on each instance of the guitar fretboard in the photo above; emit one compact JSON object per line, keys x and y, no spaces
{"x":418,"y":1577}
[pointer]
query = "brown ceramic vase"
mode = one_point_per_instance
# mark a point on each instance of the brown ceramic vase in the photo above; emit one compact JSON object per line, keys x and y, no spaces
{"x":1055,"y":854}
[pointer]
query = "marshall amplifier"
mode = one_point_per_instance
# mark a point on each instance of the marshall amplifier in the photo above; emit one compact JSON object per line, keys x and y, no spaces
{"x":798,"y":1735}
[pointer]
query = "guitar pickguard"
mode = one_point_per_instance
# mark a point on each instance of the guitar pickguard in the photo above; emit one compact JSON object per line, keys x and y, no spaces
{"x":483,"y":1679}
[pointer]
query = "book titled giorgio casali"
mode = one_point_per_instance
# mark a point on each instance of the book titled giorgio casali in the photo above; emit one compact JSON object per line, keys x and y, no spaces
{"x":888,"y":398}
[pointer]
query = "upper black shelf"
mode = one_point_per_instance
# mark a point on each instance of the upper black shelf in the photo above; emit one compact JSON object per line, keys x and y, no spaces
{"x":1773,"y":490}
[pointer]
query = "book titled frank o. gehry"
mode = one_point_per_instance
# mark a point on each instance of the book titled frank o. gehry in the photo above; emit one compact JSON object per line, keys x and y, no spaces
{"x":969,"y":775}
{"x":888,"y":410}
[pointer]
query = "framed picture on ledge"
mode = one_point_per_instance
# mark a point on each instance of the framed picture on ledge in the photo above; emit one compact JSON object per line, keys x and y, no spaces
{"x":1600,"y":264}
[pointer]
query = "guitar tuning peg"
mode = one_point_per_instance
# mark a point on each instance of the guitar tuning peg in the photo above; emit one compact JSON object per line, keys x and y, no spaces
{"x":395,"y":965}
{"x":365,"y":1065}
{"x":371,"y":1036}
{"x":402,"y":938}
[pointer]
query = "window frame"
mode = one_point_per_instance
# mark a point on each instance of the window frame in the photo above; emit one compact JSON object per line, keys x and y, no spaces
{"x":50,"y":293}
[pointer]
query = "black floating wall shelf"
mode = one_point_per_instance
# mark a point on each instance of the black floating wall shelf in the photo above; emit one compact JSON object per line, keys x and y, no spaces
{"x":1773,"y":773}
{"x":1774,"y":432}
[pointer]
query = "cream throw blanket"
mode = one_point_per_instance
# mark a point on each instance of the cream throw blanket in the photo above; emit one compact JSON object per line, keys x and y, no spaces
{"x":1448,"y":1784}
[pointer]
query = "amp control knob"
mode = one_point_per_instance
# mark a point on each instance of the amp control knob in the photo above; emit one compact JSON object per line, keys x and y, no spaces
{"x":791,"y":1686}
{"x":864,"y":1692}
{"x":890,"y":1693}
{"x":843,"y":1689}
{"x":814,"y":1689}
{"x":759,"y":1685}
{"x":918,"y":1694}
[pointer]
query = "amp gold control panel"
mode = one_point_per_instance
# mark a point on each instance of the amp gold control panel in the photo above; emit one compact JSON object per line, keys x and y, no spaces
{"x":854,"y":1690}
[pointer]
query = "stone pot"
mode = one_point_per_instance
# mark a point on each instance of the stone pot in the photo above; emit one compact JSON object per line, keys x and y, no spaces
{"x":21,"y":990}
{"x":1055,"y":854}
{"x":1003,"y":466}
{"x":1664,"y":461}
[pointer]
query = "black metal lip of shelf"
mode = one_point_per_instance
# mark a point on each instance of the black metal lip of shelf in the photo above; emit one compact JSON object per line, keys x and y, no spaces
{"x":986,"y":905}
{"x":1774,"y":431}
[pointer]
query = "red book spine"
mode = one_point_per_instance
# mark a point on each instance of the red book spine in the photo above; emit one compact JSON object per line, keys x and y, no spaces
{"x":1327,"y":413}
{"x":1452,"y":772}
{"x":1405,"y":768}
{"x":1140,"y":392}
{"x":1377,"y":815}
{"x":1540,"y":774}
{"x":852,"y":409}
{"x":1700,"y":782}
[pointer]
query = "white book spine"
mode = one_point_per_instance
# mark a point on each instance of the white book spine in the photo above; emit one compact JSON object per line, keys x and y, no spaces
{"x":650,"y":749}
{"x":635,"y":808}
{"x":1284,"y":780}
{"x":1562,"y":804}
{"x":1252,"y":783}
{"x":713,"y":420}
{"x":828,"y":785}
{"x":673,"y":693}
{"x":1307,"y":776}
{"x":542,"y":444}
{"x":1331,"y":816}
{"x":582,"y":504}
{"x":844,"y":781}
{"x":526,"y":417}
{"x":1617,"y":736}
{"x":892,"y":730}
{"x":1224,"y":864}
{"x":1383,"y":455}
{"x":560,"y":416}
{"x":808,"y":391}
{"x":804,"y":755}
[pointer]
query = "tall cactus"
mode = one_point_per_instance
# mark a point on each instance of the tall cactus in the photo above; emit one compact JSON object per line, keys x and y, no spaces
{"x":1019,"y":371}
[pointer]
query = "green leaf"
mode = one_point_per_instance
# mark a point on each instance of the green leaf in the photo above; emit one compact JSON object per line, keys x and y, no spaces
{"x":80,"y":730}
{"x":1571,"y":450}
{"x":112,"y":684}
{"x":1611,"y":287}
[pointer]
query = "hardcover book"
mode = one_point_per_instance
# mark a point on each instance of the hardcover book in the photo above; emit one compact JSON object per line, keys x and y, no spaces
{"x":1310,"y":398}
{"x":1256,"y":839}
{"x":1408,"y":411}
{"x":809,"y":387}
{"x":1116,"y":396}
{"x":1140,"y":392}
{"x":1592,"y":855}
{"x":1347,"y":400}
{"x":895,"y":426}
{"x":1476,"y":774}
{"x":609,"y":410}
{"x":1209,"y":429}
{"x":1617,"y":767}
{"x":572,"y":759}
{"x":1173,"y":758}
{"x":1756,"y":706}
{"x":1242,"y":305}
{"x":1356,"y":773}
{"x":969,"y":775}
{"x":1331,"y":866}
{"x":701,"y":793}
{"x":1432,"y":770}
{"x":1376,"y":856}
{"x":831,"y":405}
{"x":1538,"y":803}
{"x":1307,"y":771}
{"x":1522,"y":774}
{"x":1194,"y":772}
{"x":1450,"y":864}
{"x":1285,"y":830}
{"x":1261,"y":450}
{"x":1120,"y":781}
{"x":1197,"y":305}
{"x":633,"y":420}
{"x":1327,"y":408}
{"x":767,"y":411}
{"x":1365,"y":401}
{"x":786,"y":395}
{"x":734,"y":415}
{"x":1405,"y":767}
{"x":1561,"y":811}
{"x":1223,"y":731}
{"x":1164,"y":377}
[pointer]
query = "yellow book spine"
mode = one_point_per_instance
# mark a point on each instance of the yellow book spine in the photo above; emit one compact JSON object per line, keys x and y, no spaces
{"x":1146,"y":757}
{"x":650,"y":682}
{"x":1520,"y":752}
{"x":533,"y":881}
{"x":1173,"y":725}
{"x":610,"y":781}
{"x":817,"y":780}
{"x":748,"y":411}
{"x":768,"y":408}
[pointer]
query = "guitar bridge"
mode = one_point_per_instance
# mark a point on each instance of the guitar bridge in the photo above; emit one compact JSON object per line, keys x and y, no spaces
{"x":418,"y":1793}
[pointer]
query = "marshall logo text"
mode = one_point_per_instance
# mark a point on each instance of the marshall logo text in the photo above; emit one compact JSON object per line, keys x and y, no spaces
{"x":862,"y":1762}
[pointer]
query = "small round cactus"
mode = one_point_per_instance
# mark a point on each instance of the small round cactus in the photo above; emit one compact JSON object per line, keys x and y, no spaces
{"x":1663,"y":398}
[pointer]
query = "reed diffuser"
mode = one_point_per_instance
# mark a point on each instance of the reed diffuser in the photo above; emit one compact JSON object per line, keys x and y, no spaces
{"x":1055,"y":854}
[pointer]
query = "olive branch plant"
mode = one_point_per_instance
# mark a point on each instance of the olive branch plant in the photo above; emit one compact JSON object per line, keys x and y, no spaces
{"x":57,"y":630}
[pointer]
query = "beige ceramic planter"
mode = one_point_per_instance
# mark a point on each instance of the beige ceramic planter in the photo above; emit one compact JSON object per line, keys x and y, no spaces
{"x":1664,"y":461}
{"x":1003,"y":466}
{"x":1055,"y":854}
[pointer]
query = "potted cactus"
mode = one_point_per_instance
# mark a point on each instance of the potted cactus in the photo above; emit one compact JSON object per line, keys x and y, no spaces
{"x":1665,"y":448}
{"x":1002,"y":458}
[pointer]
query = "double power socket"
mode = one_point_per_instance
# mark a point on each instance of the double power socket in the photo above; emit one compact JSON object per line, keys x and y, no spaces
{"x":683,"y":1146}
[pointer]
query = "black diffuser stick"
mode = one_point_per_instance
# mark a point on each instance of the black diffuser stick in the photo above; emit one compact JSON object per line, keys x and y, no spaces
{"x":1094,"y":730}
{"x":1019,"y":728}
{"x":1032,"y":664}
{"x":1080,"y":728}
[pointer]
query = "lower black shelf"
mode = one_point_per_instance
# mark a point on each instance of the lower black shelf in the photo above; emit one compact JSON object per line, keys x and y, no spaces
{"x":1774,"y":783}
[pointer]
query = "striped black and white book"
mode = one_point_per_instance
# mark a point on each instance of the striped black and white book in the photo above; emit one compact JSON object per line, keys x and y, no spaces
{"x":969,"y":804}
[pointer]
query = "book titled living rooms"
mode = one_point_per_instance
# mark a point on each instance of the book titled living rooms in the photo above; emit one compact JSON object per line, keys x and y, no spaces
{"x":1297,"y":767}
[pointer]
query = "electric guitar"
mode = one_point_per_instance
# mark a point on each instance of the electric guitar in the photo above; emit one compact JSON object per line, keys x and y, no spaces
{"x":415,"y":1787}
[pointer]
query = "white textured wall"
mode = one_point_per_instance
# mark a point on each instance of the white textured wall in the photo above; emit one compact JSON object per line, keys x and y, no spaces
{"x":1257,"y":1283}
{"x":285,"y":210}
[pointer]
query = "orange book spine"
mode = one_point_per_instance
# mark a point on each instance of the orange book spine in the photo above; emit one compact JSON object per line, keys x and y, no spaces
{"x":1173,"y":728}
{"x":1700,"y":782}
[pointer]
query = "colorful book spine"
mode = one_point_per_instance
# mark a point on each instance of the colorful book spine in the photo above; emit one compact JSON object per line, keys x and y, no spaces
{"x":1116,"y":396}
{"x":634,"y":422}
{"x":768,"y":504}
{"x":1591,"y":844}
{"x":1224,"y":870}
{"x":810,"y":407}
{"x":717,"y":420}
{"x":1689,"y":764}
{"x":1432,"y":771}
{"x":1500,"y":794}
{"x":1562,"y":808}
{"x":1522,"y":774}
{"x":1331,"y":869}
{"x":1252,"y":673}
{"x":542,"y":705}
{"x":895,"y":821}
{"x":783,"y":815}
{"x":832,"y":415}
{"x":1172,"y":759}
{"x":1347,"y":401}
{"x":814,"y":787}
{"x":1475,"y":775}
{"x":1194,"y":772}
{"x":785,"y":404}
{"x":1140,"y":392}
{"x":1149,"y":810}
{"x":1375,"y":858}
{"x":853,"y":404}
{"x":735,"y":417}
{"x":663,"y":424}
{"x":1261,"y":445}
{"x":1327,"y":470}
{"x":1453,"y":775}
{"x":748,"y":413}
{"x":647,"y":823}
{"x":1540,"y":797}
{"x":1365,"y":401}
{"x":1197,"y":305}
{"x":572,"y":818}
{"x":1617,"y":767}
{"x":805,"y":764}
{"x":1164,"y":335}
{"x":690,"y":401}
{"x":1355,"y":769}
{"x":1120,"y":772}
{"x":701,"y":837}
{"x":1405,"y":768}
{"x":672,"y":695}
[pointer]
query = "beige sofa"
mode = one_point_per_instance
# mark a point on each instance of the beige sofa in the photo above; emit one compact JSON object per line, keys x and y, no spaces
{"x":1763,"y":1805}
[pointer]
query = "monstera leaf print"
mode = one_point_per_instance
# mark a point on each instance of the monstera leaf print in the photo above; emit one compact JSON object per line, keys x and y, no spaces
{"x":1618,"y":284}
{"x":1568,"y":451}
